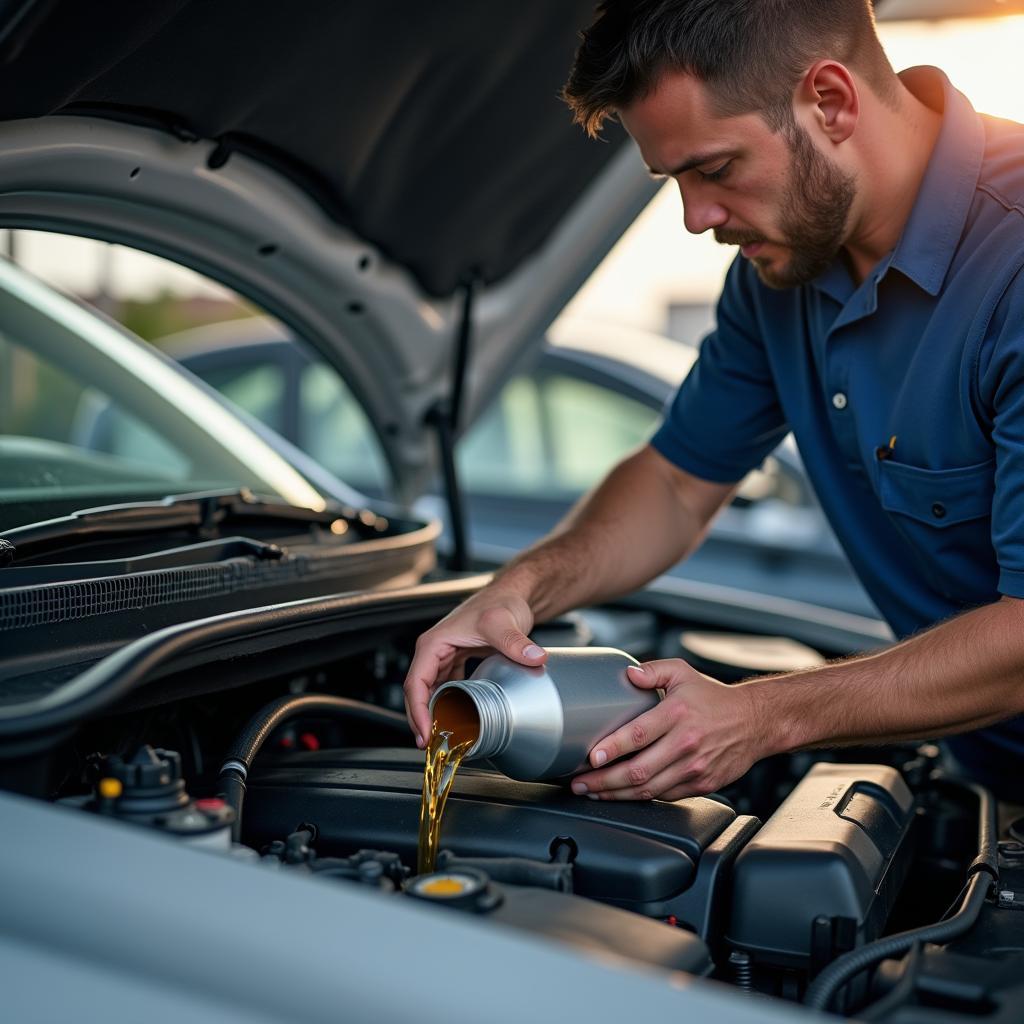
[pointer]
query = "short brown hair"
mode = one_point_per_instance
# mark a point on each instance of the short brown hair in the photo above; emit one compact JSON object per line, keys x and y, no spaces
{"x":750,"y":53}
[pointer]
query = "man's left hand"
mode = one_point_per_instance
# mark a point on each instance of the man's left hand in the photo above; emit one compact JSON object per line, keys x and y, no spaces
{"x":702,"y":736}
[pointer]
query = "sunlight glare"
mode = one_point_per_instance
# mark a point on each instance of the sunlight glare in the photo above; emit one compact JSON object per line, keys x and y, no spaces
{"x":981,"y":57}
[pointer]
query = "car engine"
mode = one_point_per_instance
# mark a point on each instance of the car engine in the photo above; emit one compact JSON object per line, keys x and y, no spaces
{"x":860,"y":881}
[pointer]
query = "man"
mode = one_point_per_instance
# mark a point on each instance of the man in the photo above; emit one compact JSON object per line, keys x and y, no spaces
{"x":876,"y":309}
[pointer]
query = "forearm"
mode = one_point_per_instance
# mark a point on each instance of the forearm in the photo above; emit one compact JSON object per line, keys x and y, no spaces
{"x":638,"y":522}
{"x":963,"y":674}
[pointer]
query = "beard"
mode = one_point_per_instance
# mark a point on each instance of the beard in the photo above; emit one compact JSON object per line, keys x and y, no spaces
{"x":815,"y":209}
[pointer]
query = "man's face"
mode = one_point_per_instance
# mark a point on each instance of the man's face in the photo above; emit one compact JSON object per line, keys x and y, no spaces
{"x":772,"y":193}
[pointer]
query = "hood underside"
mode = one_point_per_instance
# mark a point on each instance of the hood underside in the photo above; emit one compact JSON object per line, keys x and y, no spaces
{"x":346,"y":166}
{"x":434,"y":131}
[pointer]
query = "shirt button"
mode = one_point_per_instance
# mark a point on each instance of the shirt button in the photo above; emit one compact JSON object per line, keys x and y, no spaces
{"x":938,"y":510}
{"x":839,"y":400}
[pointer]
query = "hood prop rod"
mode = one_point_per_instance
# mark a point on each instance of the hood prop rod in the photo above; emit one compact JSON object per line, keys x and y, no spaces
{"x":444,"y":417}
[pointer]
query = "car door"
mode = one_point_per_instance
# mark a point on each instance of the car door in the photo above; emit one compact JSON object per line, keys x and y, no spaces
{"x":552,"y":434}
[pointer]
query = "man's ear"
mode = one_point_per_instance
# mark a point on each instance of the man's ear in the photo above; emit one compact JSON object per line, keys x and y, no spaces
{"x":830,"y":93}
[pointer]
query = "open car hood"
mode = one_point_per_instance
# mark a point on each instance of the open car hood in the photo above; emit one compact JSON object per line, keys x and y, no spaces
{"x":348,"y":166}
{"x":433,"y":131}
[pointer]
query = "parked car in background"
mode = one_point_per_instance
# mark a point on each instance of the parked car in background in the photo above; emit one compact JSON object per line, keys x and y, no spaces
{"x":592,"y":393}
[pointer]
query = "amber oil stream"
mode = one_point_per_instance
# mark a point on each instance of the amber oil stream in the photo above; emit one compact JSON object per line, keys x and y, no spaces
{"x":455,"y":729}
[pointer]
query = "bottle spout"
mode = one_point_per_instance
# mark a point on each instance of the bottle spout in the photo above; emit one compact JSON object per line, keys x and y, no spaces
{"x":474,"y":705}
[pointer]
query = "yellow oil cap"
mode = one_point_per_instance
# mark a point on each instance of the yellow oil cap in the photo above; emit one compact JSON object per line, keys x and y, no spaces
{"x":110,"y":788}
{"x":463,"y":888}
{"x":445,"y":885}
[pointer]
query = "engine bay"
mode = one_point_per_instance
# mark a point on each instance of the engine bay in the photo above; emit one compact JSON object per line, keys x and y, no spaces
{"x":862,"y":882}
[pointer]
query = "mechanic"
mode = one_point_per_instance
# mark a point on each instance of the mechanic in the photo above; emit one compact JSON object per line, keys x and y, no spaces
{"x":876,"y":309}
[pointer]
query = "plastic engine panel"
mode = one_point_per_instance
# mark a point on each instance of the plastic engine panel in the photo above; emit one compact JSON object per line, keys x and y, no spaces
{"x":822,"y":874}
{"x":656,"y":859}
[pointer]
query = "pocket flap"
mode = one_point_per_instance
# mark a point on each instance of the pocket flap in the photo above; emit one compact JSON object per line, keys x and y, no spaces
{"x":939,"y":497}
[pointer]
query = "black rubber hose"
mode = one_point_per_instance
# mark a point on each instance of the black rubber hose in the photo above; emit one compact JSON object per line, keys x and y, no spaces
{"x":513,"y":870}
{"x":840,"y":971}
{"x":982,"y":872}
{"x":243,"y":751}
{"x":231,"y":785}
{"x":988,"y":826}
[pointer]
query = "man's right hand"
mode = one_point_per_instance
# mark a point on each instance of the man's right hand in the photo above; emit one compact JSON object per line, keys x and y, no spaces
{"x":488,"y":622}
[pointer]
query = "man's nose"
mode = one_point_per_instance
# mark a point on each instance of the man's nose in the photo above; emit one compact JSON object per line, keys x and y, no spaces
{"x":700,"y":215}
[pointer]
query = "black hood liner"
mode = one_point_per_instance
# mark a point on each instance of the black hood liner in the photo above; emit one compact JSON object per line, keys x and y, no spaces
{"x":433,"y":129}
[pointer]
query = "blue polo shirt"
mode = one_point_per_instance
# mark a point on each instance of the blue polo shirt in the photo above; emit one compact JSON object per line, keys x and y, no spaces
{"x":929,"y":350}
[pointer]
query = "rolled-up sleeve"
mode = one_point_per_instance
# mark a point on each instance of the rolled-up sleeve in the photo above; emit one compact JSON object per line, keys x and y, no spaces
{"x":725,"y":417}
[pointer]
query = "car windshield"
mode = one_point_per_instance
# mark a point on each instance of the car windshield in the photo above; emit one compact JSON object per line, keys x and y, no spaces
{"x":91,"y":416}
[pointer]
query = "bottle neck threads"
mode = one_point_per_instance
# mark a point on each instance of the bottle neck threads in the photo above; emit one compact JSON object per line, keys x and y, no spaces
{"x":494,"y":714}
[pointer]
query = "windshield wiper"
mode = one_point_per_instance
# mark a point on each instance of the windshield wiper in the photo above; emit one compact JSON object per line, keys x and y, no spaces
{"x":205,"y":513}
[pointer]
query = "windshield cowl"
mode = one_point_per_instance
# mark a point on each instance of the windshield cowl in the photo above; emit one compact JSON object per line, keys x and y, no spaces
{"x":204,"y":516}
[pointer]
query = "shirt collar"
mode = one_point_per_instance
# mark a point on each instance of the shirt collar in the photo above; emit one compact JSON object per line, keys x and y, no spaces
{"x":929,"y":240}
{"x":932,"y":232}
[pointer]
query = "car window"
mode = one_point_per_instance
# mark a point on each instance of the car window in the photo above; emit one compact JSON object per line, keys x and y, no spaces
{"x":551,"y":435}
{"x":334,"y":429}
{"x":504,"y":451}
{"x":44,"y":410}
{"x":219,"y":336}
{"x":89,"y":415}
{"x":259,"y":389}
{"x":589,"y":428}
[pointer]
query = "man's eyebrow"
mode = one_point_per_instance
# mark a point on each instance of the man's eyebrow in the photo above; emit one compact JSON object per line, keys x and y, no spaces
{"x":690,"y":163}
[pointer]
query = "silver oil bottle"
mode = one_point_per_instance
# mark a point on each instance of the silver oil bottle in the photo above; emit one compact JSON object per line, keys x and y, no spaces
{"x":541,"y":723}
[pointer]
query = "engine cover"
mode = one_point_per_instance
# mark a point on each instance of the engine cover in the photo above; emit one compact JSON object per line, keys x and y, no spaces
{"x":654,"y":858}
{"x":822,"y":875}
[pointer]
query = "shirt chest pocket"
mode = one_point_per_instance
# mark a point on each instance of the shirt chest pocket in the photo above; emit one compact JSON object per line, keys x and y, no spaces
{"x":945,"y":515}
{"x":941,"y":498}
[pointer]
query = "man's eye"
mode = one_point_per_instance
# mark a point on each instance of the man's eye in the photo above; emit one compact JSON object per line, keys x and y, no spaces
{"x":718,"y":174}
